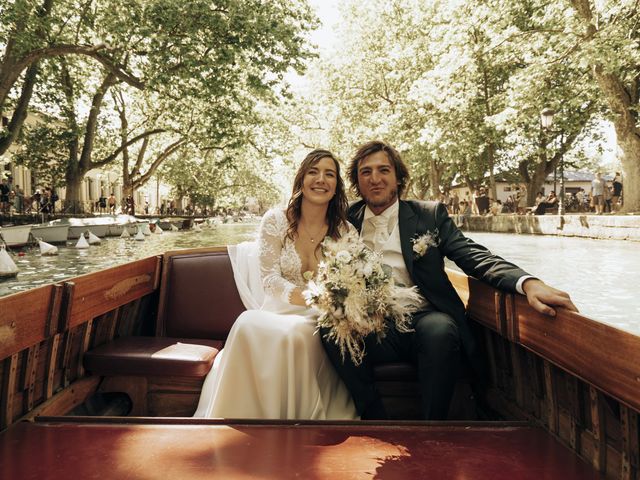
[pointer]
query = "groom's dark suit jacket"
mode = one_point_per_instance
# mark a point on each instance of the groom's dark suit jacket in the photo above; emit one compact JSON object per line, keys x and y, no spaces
{"x":417,"y":218}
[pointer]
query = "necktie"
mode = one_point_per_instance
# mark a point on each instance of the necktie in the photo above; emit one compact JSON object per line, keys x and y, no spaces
{"x":381,"y":232}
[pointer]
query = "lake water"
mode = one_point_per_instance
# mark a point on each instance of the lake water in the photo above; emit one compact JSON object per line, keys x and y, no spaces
{"x":602,"y":276}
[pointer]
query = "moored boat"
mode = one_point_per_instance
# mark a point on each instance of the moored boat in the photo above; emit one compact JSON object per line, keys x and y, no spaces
{"x":561,"y":393}
{"x":15,"y":236}
{"x":98,"y":230}
{"x":51,"y":233}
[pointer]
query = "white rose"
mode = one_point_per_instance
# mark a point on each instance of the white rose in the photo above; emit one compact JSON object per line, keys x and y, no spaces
{"x":367,"y":270}
{"x":343,"y":256}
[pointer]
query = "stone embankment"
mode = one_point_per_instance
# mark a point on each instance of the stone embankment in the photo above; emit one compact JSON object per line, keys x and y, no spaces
{"x":612,"y":227}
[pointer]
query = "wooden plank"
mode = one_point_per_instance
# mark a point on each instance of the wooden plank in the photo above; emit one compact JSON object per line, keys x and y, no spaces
{"x":84,"y":345}
{"x":484,"y":303}
{"x":113,"y":323}
{"x":54,"y":310}
{"x":599,"y":457}
{"x":518,"y":374}
{"x":599,"y":354}
{"x":100,"y":292}
{"x":69,"y":338}
{"x":491,"y":353}
{"x":66,"y":399}
{"x":156,"y":279}
{"x":30,"y":371}
{"x":52,"y":361}
{"x":574,"y":410}
{"x":551,"y":398}
{"x":630,"y":447}
{"x":66,"y":304}
{"x":7,"y":391}
{"x":23,"y":319}
{"x":510,"y":325}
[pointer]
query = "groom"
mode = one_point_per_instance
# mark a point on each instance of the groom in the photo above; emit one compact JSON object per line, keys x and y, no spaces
{"x":388,"y":224}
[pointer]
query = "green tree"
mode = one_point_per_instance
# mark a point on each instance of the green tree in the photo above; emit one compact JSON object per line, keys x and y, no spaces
{"x":34,"y":30}
{"x":606,"y":38}
{"x":201,"y":64}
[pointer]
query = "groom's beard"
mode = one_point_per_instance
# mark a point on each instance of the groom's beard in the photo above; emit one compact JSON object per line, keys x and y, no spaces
{"x":380,"y":202}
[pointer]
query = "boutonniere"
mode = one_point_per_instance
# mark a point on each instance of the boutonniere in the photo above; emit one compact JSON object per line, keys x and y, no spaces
{"x":423,"y":242}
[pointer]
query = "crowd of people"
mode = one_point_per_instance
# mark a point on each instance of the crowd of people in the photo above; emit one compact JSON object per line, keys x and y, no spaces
{"x":602,"y":197}
{"x":13,"y":199}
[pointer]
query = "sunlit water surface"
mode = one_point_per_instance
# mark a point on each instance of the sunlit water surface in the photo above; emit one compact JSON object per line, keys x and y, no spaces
{"x":602,"y":276}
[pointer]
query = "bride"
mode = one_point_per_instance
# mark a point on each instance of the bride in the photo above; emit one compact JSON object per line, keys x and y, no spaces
{"x":273,"y":365}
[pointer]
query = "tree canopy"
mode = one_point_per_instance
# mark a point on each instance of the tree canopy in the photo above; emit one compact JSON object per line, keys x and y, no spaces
{"x":457,"y":86}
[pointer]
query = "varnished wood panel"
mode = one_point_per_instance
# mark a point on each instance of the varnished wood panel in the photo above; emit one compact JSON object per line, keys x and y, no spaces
{"x":484,"y":303}
{"x":24,"y":319}
{"x":236,"y":451}
{"x":100,"y":292}
{"x":603,"y":356}
{"x":67,"y":399}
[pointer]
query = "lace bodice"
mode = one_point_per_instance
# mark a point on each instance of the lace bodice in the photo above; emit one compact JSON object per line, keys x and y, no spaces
{"x":280,"y":264}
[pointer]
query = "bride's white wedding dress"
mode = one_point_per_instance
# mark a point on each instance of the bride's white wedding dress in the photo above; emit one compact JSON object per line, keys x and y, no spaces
{"x":273,"y":365}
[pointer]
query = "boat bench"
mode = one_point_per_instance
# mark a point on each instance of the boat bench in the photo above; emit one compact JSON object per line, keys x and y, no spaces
{"x":163,"y":375}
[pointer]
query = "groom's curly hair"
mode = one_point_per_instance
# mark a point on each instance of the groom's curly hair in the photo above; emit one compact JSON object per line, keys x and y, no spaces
{"x":337,"y":209}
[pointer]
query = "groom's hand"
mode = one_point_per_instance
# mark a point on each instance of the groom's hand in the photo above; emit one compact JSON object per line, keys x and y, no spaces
{"x":543,"y":298}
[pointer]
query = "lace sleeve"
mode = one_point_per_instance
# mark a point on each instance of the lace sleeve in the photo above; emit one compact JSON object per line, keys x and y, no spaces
{"x":270,"y":244}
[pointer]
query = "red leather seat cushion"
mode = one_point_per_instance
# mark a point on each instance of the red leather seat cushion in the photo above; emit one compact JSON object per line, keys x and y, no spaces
{"x":151,"y":356}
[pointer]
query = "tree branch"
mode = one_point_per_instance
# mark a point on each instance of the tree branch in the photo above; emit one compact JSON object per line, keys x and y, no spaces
{"x":158,"y":161}
{"x":93,"y":51}
{"x":110,"y":158}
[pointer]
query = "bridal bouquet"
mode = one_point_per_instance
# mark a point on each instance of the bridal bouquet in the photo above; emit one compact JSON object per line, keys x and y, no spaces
{"x":355,"y":294}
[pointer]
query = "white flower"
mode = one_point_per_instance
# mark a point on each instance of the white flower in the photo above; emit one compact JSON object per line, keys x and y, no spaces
{"x":422,"y":243}
{"x":367,"y":270}
{"x":343,"y":256}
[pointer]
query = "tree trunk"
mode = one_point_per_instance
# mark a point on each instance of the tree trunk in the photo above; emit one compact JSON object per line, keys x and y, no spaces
{"x":72,"y":202}
{"x":536,"y":181}
{"x":630,"y":146}
{"x":434,"y":180}
{"x":628,"y":135}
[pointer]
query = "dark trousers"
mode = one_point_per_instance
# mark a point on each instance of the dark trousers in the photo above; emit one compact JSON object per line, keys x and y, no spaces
{"x":434,"y":347}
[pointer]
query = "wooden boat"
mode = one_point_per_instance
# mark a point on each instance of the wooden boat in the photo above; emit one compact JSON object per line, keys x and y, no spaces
{"x":561,"y":398}
{"x":16,"y":236}
{"x":51,"y":233}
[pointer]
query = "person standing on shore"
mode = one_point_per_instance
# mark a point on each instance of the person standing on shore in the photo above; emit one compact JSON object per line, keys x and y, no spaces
{"x":597,"y":193}
{"x":616,"y":192}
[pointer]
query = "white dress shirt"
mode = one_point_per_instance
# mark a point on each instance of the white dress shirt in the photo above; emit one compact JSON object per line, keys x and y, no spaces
{"x":392,"y":250}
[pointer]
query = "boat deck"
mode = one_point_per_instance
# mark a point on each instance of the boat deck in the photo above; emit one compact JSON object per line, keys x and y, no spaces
{"x":189,"y":449}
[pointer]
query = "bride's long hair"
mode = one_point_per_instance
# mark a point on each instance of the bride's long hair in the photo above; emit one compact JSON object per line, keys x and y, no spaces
{"x":337,"y":209}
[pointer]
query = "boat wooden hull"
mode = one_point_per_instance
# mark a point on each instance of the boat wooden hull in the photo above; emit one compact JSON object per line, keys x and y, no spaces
{"x":572,"y":378}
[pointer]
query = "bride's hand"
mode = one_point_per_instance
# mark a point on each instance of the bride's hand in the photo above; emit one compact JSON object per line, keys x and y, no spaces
{"x":296,"y":298}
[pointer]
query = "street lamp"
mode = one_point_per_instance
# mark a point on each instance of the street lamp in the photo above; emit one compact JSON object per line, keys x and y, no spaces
{"x":546,"y":120}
